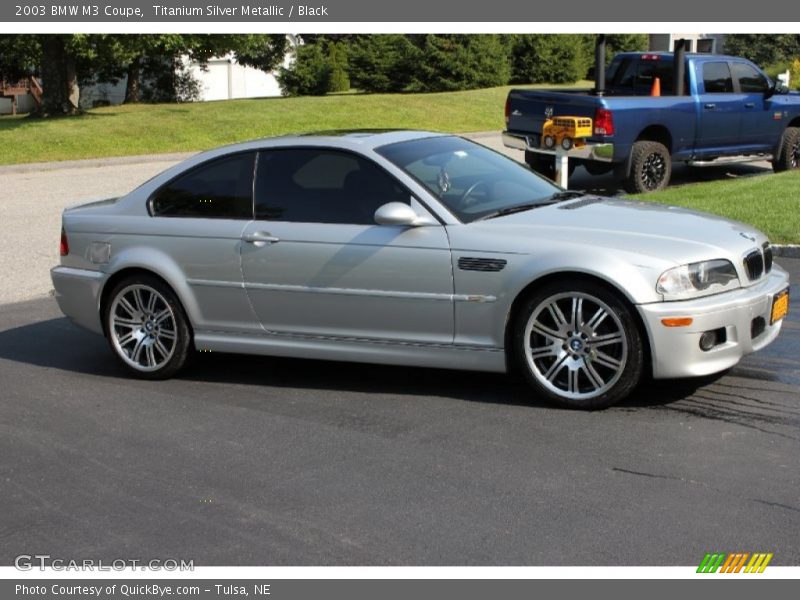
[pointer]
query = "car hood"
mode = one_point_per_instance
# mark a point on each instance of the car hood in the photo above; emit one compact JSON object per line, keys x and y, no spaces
{"x":670,"y":233}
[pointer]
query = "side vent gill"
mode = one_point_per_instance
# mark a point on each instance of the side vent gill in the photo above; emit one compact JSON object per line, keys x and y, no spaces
{"x":487,"y":265}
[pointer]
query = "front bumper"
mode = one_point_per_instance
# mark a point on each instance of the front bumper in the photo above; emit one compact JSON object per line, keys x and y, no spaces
{"x":676,"y":350}
{"x":78,"y":295}
{"x":602,"y":152}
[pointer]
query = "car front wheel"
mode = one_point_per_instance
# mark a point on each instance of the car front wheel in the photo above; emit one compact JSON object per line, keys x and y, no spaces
{"x":578,"y":345}
{"x":147,"y":328}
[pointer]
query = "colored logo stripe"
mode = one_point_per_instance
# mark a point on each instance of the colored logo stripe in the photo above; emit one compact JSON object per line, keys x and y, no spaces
{"x":734,"y":562}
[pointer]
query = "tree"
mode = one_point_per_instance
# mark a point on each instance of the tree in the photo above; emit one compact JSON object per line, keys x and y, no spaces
{"x":57,"y":59}
{"x":550,"y":58}
{"x":156,"y":56}
{"x":764,"y":49}
{"x":461,"y":62}
{"x":308,"y":75}
{"x":66,"y":61}
{"x":382,"y":63}
{"x":337,"y":59}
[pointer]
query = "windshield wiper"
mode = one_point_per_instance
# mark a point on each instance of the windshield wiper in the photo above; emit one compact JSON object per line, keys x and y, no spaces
{"x":510,"y":210}
{"x":561,"y":196}
{"x":557,"y":197}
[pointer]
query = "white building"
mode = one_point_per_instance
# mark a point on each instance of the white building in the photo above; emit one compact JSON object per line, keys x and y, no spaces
{"x":222,"y":79}
{"x":709,"y":43}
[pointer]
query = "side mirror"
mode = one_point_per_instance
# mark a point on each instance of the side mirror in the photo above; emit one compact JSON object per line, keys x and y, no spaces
{"x":397,"y":213}
{"x":777,"y":88}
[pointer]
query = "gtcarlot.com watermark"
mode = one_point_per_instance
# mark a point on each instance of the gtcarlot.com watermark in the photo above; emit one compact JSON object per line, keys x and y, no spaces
{"x":45,"y":562}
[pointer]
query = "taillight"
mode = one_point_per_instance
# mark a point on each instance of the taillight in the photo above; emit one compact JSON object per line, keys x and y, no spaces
{"x":63,"y":247}
{"x":603,"y":122}
{"x":508,"y":108}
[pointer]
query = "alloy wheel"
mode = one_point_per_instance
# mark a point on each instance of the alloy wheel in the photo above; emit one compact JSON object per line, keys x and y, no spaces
{"x":143,"y":328}
{"x":575,"y":345}
{"x":654,"y":169}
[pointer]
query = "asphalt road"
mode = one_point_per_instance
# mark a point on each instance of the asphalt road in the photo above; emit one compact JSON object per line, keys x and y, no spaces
{"x":256,"y":461}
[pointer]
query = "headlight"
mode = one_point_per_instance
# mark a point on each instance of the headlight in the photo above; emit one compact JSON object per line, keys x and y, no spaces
{"x":698,"y":279}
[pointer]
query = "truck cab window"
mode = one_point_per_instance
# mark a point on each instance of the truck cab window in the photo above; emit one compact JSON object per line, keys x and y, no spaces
{"x":750,"y":80}
{"x":717,"y":78}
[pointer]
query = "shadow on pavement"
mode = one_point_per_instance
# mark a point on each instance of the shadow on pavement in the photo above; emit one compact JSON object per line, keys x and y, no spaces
{"x":58,"y":344}
{"x":606,"y":185}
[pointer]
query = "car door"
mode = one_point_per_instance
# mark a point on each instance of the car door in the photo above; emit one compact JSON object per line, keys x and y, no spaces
{"x":315,"y":262}
{"x":197,"y":221}
{"x":759,"y":127}
{"x":719,"y":108}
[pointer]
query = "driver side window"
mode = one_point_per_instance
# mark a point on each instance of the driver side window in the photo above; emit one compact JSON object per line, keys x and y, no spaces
{"x":317,"y":185}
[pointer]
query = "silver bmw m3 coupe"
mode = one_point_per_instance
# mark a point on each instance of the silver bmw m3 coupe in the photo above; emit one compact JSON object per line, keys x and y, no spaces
{"x":414,"y":248}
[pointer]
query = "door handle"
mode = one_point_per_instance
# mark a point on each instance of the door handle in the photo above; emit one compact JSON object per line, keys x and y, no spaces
{"x":260,"y":238}
{"x":750,"y":105}
{"x":710,"y":106}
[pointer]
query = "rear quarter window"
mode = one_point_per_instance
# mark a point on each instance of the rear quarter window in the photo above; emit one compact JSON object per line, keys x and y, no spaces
{"x":219,"y":189}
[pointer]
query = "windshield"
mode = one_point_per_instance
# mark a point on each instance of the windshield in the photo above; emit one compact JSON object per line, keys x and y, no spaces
{"x":471,"y":180}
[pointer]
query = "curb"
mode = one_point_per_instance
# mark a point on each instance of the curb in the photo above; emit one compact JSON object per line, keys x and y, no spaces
{"x":94,"y":162}
{"x":786,"y":250}
{"x":89,"y":163}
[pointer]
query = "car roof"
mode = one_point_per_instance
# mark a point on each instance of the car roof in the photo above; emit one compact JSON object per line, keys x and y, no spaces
{"x":354,"y":139}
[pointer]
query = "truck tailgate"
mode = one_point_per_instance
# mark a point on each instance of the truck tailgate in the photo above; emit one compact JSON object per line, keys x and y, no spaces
{"x":527,"y":108}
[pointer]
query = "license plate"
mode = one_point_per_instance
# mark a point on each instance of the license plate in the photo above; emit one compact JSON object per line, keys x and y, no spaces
{"x":780,"y":306}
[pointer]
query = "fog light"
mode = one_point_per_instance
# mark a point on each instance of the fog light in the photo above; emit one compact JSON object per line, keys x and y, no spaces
{"x":710,"y":339}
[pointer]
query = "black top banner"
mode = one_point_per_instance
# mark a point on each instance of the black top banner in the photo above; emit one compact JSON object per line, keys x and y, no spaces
{"x":339,"y":11}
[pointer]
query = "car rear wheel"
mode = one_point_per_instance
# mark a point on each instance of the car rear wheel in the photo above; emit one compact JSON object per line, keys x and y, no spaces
{"x":651,"y":168}
{"x":147,"y":328}
{"x":578,"y":345}
{"x":789,"y":156}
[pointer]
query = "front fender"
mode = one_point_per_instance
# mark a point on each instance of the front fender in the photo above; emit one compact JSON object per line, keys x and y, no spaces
{"x":484,"y":322}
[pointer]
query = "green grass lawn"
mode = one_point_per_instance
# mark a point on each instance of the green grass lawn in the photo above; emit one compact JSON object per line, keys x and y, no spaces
{"x":156,"y":128}
{"x":770,"y":202}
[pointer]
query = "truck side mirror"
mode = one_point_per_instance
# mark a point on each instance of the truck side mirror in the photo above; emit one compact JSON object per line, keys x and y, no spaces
{"x":777,"y":88}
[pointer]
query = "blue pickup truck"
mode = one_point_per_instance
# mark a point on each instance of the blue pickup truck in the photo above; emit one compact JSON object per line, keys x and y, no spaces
{"x":729,"y":109}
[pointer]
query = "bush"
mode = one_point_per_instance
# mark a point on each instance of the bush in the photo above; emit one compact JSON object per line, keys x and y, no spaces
{"x":308,"y":75}
{"x":382,"y":63}
{"x":550,"y":58}
{"x":337,"y":59}
{"x":794,"y":74}
{"x":764,"y":49}
{"x":461,"y":62}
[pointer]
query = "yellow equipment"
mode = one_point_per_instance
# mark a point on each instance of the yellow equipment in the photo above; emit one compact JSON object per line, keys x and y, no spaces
{"x":568,"y":132}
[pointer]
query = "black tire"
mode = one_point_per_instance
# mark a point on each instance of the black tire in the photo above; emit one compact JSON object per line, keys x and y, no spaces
{"x":545,"y":164}
{"x":651,"y":168}
{"x":572,"y":371}
{"x":566,"y":143}
{"x":152,"y":324}
{"x":789,"y":154}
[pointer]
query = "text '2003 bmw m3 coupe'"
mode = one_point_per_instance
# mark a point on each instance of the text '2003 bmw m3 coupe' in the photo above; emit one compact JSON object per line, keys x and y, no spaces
{"x":415,"y":248}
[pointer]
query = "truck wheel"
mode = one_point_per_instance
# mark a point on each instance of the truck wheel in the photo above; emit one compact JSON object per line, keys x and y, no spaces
{"x":789,"y":157}
{"x":549,"y":141}
{"x":566,"y":143}
{"x":651,"y":168}
{"x":578,"y":345}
